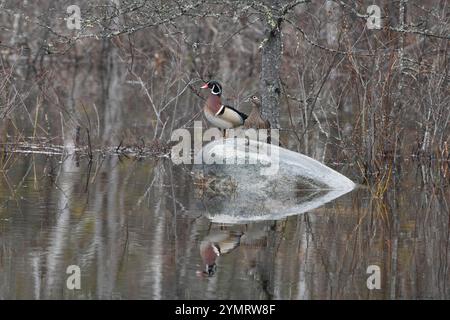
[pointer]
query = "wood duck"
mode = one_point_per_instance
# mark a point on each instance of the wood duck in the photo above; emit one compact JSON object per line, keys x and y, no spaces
{"x":255,"y":119}
{"x":218,"y":114}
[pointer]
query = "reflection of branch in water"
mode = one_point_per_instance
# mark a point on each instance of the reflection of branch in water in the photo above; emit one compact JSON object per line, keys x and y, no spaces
{"x":12,"y":190}
{"x":172,"y":189}
{"x":147,"y":191}
{"x":88,"y":176}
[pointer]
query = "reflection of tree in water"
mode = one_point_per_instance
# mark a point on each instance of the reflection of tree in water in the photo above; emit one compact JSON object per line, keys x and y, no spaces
{"x":260,"y":251}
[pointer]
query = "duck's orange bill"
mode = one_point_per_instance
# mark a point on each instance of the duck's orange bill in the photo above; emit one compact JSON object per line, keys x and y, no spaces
{"x":205,"y":86}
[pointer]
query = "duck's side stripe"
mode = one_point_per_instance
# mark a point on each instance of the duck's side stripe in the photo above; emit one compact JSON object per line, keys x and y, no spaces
{"x":221,"y":110}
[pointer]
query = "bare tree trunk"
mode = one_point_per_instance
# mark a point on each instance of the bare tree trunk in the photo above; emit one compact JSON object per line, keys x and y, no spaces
{"x":114,"y":79}
{"x":270,"y":64}
{"x":398,"y":103}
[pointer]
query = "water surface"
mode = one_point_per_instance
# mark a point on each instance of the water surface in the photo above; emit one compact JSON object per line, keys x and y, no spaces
{"x":135,"y":229}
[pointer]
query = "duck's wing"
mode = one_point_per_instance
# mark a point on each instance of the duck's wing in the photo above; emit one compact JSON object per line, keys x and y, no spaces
{"x":256,"y":121}
{"x":232,"y":115}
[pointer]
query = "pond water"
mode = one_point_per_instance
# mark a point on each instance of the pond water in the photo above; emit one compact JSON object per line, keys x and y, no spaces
{"x":137,"y":230}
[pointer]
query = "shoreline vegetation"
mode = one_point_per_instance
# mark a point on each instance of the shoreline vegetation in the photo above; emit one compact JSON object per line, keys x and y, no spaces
{"x":123,"y":81}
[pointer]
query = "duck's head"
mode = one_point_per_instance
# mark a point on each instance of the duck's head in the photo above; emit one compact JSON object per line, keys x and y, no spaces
{"x":254,"y":99}
{"x":215,"y":87}
{"x":210,"y":270}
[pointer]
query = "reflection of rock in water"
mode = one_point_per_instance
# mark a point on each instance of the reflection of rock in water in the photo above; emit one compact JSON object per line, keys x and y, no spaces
{"x":233,"y":193}
{"x":242,"y":191}
{"x":213,"y":185}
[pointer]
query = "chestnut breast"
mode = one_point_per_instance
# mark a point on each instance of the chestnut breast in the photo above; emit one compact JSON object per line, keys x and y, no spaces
{"x":213,"y":104}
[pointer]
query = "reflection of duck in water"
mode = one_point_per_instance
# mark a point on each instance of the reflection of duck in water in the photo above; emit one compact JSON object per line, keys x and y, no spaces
{"x":214,"y":245}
